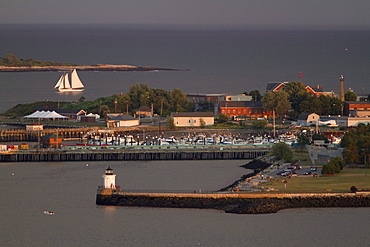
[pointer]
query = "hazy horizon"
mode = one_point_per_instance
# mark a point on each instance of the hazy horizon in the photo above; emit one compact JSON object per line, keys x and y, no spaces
{"x":317,"y":14}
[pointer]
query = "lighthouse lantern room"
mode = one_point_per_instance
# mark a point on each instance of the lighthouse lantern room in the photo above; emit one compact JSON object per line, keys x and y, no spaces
{"x":109,"y":179}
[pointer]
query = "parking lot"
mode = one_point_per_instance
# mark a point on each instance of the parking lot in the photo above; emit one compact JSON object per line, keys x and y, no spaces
{"x":287,"y":170}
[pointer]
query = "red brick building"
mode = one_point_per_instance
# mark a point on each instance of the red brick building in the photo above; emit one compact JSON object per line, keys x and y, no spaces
{"x":249,"y":109}
{"x":356,"y":108}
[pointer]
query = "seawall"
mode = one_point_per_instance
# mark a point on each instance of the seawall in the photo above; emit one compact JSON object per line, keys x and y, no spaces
{"x":133,"y":154}
{"x":257,"y":203}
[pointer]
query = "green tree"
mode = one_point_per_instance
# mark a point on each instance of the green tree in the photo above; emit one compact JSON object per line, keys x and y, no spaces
{"x":170,"y":123}
{"x":222,"y":118}
{"x":351,"y":155}
{"x":282,"y":151}
{"x":202,"y":123}
{"x":256,"y":95}
{"x":276,"y":101}
{"x":260,"y":124}
{"x":334,"y":166}
{"x":356,"y":144}
{"x":350,"y":96}
{"x":302,"y":140}
{"x":297,"y":93}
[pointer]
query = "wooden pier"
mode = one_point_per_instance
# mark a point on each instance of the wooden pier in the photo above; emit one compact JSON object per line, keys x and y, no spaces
{"x":20,"y":135}
{"x":133,"y":154}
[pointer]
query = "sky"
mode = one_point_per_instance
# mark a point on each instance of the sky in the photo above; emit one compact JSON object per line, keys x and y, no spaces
{"x":199,"y":13}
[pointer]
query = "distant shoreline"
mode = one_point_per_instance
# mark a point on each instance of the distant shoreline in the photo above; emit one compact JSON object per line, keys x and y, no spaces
{"x":98,"y":67}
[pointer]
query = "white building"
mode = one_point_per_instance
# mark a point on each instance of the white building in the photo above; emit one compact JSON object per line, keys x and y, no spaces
{"x":121,"y":120}
{"x":352,"y":121}
{"x":195,"y":119}
{"x":308,"y":119}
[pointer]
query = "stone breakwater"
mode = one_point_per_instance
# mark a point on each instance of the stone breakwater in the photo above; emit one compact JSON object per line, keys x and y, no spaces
{"x":257,"y":165}
{"x":98,"y":67}
{"x":235,"y":203}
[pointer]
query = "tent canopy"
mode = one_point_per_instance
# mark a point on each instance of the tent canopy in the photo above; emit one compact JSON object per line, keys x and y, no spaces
{"x":45,"y":114}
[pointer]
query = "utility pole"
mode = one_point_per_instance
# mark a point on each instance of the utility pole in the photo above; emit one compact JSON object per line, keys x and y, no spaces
{"x":274,"y":124}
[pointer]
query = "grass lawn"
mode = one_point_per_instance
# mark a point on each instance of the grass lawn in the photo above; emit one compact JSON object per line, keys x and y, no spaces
{"x":342,"y":182}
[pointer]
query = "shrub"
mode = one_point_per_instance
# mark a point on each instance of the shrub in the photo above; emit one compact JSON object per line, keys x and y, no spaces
{"x":282,"y":152}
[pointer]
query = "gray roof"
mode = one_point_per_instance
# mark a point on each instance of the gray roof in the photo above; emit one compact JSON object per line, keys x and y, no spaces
{"x":122,"y":117}
{"x":144,"y":108}
{"x":304,"y":116}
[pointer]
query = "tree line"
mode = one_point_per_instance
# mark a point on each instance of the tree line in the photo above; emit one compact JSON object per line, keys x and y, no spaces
{"x":162,"y":102}
{"x":12,"y":61}
{"x":356,"y":144}
{"x":294,"y":99}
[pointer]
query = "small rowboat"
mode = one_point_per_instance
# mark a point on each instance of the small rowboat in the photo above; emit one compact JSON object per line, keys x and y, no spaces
{"x":48,"y":212}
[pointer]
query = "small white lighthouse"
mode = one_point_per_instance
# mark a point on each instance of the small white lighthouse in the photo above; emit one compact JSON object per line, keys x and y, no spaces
{"x":109,"y":179}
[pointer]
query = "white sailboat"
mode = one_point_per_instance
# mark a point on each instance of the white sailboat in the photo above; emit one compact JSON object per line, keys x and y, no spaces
{"x":72,"y":84}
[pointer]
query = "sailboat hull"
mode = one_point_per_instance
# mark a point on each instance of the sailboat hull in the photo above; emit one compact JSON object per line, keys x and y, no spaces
{"x":70,"y":90}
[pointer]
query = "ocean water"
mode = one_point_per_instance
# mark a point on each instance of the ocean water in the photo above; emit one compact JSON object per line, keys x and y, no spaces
{"x":219,"y":61}
{"x":69,"y":189}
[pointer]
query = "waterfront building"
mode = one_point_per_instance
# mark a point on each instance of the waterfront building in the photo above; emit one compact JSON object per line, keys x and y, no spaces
{"x":356,"y":108}
{"x":121,"y":120}
{"x":308,"y":119}
{"x":191,"y":119}
{"x":144,"y":111}
{"x":240,"y":109}
{"x":34,"y":127}
{"x":51,"y":141}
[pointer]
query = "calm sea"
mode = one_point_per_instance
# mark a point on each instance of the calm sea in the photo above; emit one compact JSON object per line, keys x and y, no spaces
{"x":230,"y":61}
{"x":69,"y":189}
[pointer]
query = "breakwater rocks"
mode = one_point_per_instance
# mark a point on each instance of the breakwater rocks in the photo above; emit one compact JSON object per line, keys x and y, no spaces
{"x":237,"y":205}
{"x":256,"y":165}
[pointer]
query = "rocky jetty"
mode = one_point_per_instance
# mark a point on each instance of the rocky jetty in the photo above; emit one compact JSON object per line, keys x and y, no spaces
{"x":237,"y":205}
{"x":257,"y":165}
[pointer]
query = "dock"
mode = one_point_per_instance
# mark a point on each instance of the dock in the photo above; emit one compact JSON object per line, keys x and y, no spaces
{"x":138,"y":153}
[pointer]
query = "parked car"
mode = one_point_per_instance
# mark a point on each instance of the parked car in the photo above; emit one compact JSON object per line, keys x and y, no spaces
{"x":307,"y":173}
{"x":314,"y":168}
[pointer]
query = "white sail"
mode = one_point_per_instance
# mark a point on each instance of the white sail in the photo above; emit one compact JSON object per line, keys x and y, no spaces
{"x":59,"y":82}
{"x":75,"y":80}
{"x":65,"y":83}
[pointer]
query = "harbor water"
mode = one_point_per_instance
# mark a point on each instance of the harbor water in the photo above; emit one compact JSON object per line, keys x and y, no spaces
{"x":218,"y":61}
{"x":69,"y":188}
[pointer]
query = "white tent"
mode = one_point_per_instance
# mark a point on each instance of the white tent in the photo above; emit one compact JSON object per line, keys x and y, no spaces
{"x":45,"y":114}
